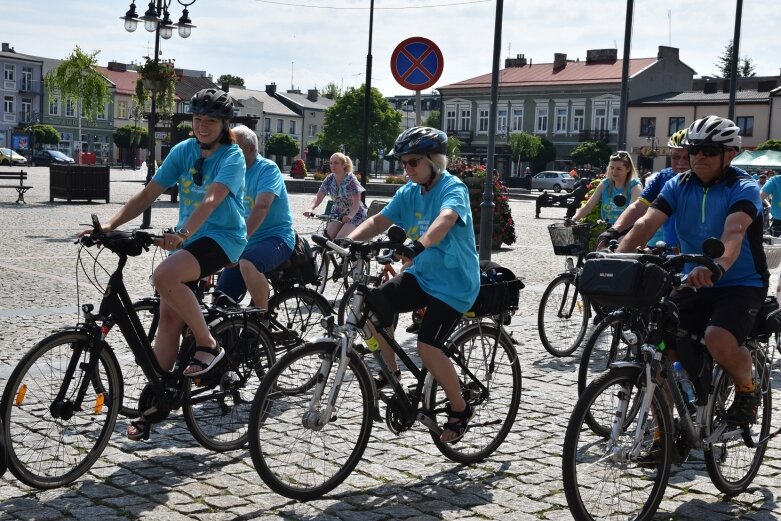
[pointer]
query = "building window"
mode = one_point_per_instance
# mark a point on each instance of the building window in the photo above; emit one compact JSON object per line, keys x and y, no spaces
{"x":600,"y":118}
{"x":541,"y":120}
{"x":746,"y":124}
{"x":280,"y":126}
{"x":561,"y":120}
{"x":267,"y":124}
{"x":578,"y":119}
{"x":466,"y":119}
{"x":102,"y":113}
{"x":54,"y":105}
{"x":647,"y":127}
{"x":8,"y":108}
{"x":292,"y":127}
{"x":675,"y":125}
{"x":482,"y":120}
{"x":9,"y":72}
{"x":616,"y":112}
{"x":121,"y":109}
{"x":518,"y":119}
{"x":312,"y":130}
{"x":27,"y":110}
{"x":501,"y":121}
{"x":70,"y":108}
{"x":450,"y":119}
{"x":27,"y":78}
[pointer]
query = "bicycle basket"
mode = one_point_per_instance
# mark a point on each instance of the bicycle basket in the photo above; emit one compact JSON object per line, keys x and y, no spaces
{"x":569,"y":239}
{"x":623,"y":282}
{"x":499,"y":291}
{"x":773,"y":253}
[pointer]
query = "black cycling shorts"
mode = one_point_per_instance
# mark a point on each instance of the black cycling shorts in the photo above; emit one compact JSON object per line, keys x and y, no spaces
{"x":402,"y":293}
{"x":733,"y":308}
{"x":210,"y":256}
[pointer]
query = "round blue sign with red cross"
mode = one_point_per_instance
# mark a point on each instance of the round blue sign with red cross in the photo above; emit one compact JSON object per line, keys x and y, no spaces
{"x":417,"y":63}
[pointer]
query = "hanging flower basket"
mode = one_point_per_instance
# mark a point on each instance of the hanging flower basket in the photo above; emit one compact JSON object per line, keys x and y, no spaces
{"x":153,"y":85}
{"x":160,"y":79}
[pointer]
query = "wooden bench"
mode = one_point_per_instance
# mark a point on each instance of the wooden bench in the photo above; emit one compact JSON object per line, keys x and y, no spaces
{"x":21,"y":188}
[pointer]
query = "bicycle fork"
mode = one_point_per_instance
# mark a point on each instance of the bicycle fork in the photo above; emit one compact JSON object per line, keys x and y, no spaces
{"x":317,"y":417}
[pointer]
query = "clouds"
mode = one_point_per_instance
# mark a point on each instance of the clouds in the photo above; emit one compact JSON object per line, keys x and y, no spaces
{"x":260,"y":41}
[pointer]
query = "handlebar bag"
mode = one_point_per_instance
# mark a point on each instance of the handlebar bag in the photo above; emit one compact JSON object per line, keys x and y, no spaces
{"x":623,"y":282}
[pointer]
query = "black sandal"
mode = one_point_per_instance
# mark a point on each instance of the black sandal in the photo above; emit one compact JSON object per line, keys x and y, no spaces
{"x":380,"y":382}
{"x":142,"y":428}
{"x":461,"y":425}
{"x":217,"y":353}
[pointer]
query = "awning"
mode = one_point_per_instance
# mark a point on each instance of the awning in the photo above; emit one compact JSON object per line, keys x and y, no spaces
{"x":758,"y":159}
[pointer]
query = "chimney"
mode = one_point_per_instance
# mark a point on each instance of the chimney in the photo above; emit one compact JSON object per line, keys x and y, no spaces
{"x":311,"y":94}
{"x":666,"y":52}
{"x":225,"y":86}
{"x":117,"y":66}
{"x":559,"y":60}
{"x":601,"y":55}
{"x":518,"y":61}
{"x":7,"y":47}
{"x":271,"y":89}
{"x":709,"y":87}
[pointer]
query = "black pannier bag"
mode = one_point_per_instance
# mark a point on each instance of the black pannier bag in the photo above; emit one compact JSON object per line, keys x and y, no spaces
{"x":499,"y":292}
{"x":302,"y":263}
{"x":623,"y":282}
{"x":768,"y":318}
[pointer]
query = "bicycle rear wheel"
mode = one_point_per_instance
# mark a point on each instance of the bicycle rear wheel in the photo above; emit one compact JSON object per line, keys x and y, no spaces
{"x":562,"y":318}
{"x":297,"y":315}
{"x":322,"y":264}
{"x":297,"y":454}
{"x":732,"y":465}
{"x":601,"y":478}
{"x":217,"y":410}
{"x":51,"y":443}
{"x":493,"y":389}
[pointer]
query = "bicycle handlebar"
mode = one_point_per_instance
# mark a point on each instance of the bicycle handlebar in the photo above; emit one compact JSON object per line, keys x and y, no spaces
{"x":349,"y":247}
{"x":121,"y":242}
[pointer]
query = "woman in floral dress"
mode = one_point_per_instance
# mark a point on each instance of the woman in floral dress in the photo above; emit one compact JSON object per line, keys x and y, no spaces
{"x":347,"y":211}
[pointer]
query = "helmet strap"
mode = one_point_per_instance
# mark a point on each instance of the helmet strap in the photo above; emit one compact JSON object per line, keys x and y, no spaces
{"x":431,"y":180}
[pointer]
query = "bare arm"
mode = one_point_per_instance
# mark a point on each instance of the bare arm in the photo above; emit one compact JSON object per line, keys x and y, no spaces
{"x":439,"y":228}
{"x":629,"y":216}
{"x":315,"y":203}
{"x":263,"y":203}
{"x":732,"y":237}
{"x":371,"y":227}
{"x":591,"y":203}
{"x":643,"y":230}
{"x":634,"y":195}
{"x":137,"y":204}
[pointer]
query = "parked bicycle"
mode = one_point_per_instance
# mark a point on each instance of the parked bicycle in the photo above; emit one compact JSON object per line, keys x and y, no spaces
{"x":622,"y":438}
{"x":305,"y":443}
{"x":60,"y":404}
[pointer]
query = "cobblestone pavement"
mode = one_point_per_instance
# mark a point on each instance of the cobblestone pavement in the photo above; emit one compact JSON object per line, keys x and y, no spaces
{"x":172,"y":477}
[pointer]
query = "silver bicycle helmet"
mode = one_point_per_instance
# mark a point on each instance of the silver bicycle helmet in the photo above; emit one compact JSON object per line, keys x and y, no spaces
{"x":713,"y":130}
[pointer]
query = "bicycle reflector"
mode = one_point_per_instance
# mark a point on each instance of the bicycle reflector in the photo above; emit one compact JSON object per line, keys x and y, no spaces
{"x":20,"y":394}
{"x":99,"y":400}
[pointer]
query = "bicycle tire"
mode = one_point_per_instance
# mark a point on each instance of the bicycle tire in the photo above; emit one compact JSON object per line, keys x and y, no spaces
{"x":322,"y":265}
{"x":731,"y":464}
{"x":496,"y":406}
{"x":607,"y":343}
{"x":562,"y":320}
{"x":53,"y":452}
{"x":600,"y":480}
{"x":346,"y":301}
{"x":298,"y":313}
{"x":217,"y":409}
{"x":301,"y":462}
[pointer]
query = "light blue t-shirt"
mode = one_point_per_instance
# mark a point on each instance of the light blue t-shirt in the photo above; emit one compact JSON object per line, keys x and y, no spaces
{"x":226,"y":166}
{"x":450,"y":270}
{"x":609,"y":211}
{"x":264,"y":177}
{"x":773,"y":188}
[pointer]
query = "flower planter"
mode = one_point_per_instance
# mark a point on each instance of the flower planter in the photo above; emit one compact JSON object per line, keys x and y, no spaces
{"x":153,"y":85}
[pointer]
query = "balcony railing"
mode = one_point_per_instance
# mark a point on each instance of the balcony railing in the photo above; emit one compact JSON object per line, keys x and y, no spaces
{"x":28,"y":117}
{"x":594,"y":135}
{"x":464,"y":135}
{"x":31,"y":86}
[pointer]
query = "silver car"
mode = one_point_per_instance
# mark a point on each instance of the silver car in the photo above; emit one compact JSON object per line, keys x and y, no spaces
{"x":553,"y":180}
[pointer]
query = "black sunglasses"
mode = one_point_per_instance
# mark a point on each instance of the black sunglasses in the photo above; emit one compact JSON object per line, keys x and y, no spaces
{"x":413,"y":163}
{"x":707,"y":150}
{"x":197,"y":171}
{"x":621,"y":154}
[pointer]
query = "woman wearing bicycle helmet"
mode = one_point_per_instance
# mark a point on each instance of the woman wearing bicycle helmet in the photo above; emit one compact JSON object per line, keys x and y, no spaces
{"x":444,"y":276}
{"x":208,"y":170}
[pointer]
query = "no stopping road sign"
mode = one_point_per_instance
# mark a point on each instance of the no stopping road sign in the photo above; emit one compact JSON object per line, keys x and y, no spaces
{"x":417,"y":63}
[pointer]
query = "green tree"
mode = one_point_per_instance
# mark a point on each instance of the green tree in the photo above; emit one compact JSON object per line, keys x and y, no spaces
{"x":77,"y":78}
{"x":282,"y":145}
{"x":546,"y":154}
{"x":453,"y":147}
{"x":43,"y":135}
{"x":230,"y":79}
{"x":523,"y":146}
{"x":770,"y":144}
{"x":183,"y":131}
{"x":331,"y":91}
{"x":746,"y":68}
{"x":433,"y":120}
{"x":130,"y":138}
{"x":343,"y":119}
{"x":595,"y":153}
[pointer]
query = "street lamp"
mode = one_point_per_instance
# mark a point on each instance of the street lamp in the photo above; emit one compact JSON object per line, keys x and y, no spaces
{"x":162,"y":27}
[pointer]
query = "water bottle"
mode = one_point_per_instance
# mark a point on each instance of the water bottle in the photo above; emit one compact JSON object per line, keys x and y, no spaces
{"x":684,"y":383}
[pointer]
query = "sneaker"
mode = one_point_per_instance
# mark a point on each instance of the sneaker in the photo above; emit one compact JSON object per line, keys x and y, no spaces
{"x":743,"y":410}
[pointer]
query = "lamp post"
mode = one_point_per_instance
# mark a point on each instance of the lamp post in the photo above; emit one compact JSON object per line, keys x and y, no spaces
{"x":162,"y":27}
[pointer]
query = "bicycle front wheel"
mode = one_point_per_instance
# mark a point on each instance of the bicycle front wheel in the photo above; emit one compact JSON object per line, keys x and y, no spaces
{"x":732,"y":465}
{"x":51,"y":442}
{"x":562,"y":318}
{"x":297,"y":315}
{"x":490,"y":376}
{"x":602,"y":477}
{"x":322,"y":265}
{"x":217,"y":411}
{"x":297,"y":452}
{"x":611,"y":340}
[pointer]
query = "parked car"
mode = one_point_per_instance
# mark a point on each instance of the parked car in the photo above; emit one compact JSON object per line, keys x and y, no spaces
{"x":8,"y":157}
{"x":51,"y":157}
{"x":553,"y":180}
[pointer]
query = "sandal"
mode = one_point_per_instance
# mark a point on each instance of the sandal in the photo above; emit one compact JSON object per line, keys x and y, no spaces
{"x":380,"y":382}
{"x":217,"y":353}
{"x":142,"y":428}
{"x":460,"y":426}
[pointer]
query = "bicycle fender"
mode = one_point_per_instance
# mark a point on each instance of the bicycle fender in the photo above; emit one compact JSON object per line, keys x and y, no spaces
{"x":625,"y":363}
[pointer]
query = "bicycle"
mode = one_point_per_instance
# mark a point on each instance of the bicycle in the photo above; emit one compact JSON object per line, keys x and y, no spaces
{"x":61,"y":402}
{"x":305,"y":443}
{"x":620,"y":469}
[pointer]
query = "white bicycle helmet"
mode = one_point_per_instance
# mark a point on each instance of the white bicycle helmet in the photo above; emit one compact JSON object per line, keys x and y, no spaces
{"x":713,"y":130}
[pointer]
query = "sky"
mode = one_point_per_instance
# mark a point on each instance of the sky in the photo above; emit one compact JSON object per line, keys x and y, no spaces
{"x":307,"y":44}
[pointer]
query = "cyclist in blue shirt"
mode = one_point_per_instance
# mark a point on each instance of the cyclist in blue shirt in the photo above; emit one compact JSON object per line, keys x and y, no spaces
{"x":270,"y":232}
{"x":444,"y":276}
{"x":771,"y":192}
{"x":680,"y":163}
{"x":717,"y":200}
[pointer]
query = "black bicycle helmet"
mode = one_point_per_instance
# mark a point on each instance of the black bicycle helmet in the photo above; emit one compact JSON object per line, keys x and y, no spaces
{"x":212,"y":102}
{"x":419,"y":140}
{"x":713,"y":130}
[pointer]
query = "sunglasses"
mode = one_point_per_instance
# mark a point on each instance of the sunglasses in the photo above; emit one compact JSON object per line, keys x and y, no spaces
{"x":197,"y":171}
{"x":621,"y":154}
{"x":413,"y":163}
{"x":707,"y":150}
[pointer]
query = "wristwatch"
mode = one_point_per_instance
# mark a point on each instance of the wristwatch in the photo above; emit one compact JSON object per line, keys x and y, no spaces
{"x":183,"y":232}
